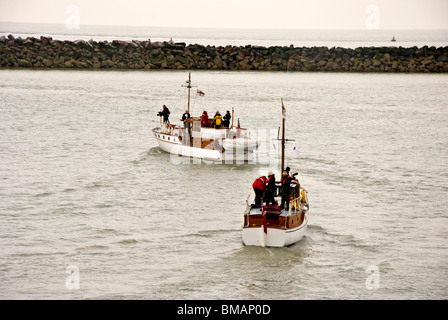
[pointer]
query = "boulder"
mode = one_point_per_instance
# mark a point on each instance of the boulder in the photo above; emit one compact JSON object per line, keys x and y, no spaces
{"x":321,"y":63}
{"x":23,"y":63}
{"x":218,"y":62}
{"x":376,"y":63}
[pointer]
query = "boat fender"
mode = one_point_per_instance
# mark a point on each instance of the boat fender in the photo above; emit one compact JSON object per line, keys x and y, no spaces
{"x":296,"y":203}
{"x":303,"y":196}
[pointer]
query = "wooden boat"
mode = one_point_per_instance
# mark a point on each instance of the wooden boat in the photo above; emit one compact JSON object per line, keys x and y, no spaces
{"x":272,"y":225}
{"x":197,"y":139}
{"x":393,"y":39}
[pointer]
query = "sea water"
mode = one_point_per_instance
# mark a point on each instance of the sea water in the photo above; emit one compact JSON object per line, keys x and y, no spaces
{"x":91,"y":208}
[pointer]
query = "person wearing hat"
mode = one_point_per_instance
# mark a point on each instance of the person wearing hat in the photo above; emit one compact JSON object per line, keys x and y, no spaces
{"x":286,"y":190}
{"x":270,"y":188}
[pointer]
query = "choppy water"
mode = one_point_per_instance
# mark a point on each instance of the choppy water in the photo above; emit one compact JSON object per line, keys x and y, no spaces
{"x":83,"y":183}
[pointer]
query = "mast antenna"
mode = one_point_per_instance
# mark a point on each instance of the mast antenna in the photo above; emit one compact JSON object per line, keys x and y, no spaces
{"x":189,"y":86}
{"x":283,"y":137}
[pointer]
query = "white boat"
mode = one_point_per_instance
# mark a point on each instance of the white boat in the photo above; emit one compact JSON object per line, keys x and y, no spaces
{"x":196,"y":139}
{"x":226,"y":149}
{"x":272,"y":225}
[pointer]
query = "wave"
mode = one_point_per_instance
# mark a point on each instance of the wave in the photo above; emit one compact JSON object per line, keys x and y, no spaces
{"x":93,"y":248}
{"x":44,"y":194}
{"x":127,"y":241}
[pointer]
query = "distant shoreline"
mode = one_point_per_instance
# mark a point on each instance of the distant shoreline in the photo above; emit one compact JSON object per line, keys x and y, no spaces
{"x":46,"y":53}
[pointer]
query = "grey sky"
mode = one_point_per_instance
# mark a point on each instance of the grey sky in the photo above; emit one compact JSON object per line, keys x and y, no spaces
{"x":279,"y":14}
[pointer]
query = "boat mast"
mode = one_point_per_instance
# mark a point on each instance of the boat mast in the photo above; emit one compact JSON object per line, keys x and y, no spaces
{"x":283,"y":137}
{"x":189,"y":87}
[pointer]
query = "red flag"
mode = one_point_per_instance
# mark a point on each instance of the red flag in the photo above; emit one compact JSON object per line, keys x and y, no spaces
{"x":295,"y":150}
{"x":238,"y":129}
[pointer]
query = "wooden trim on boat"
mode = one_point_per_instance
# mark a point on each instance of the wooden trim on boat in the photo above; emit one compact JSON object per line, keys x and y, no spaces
{"x":275,"y":220}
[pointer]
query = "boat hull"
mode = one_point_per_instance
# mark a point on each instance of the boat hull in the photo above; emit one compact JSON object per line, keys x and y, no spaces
{"x":273,"y":226}
{"x":273,"y":237}
{"x":233,"y":150}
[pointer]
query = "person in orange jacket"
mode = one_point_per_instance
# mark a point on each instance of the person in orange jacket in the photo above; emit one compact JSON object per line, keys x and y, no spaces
{"x":259,"y":187}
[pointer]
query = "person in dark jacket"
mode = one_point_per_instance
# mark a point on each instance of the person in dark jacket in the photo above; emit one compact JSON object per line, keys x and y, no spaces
{"x":226,"y":119}
{"x":166,"y":114}
{"x":270,"y":189}
{"x":286,"y":190}
{"x":186,"y":115}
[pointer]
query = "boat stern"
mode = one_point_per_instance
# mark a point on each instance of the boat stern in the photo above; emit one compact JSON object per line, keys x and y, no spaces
{"x":257,"y":237}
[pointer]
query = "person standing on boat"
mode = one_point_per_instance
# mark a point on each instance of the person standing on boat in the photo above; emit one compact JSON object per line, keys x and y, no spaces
{"x":204,"y":119}
{"x":186,"y":128}
{"x":186,"y":115}
{"x":286,"y":189}
{"x":226,"y":119}
{"x":166,"y":114}
{"x":217,"y":120}
{"x":270,"y":189}
{"x":296,"y":181}
{"x":259,"y":187}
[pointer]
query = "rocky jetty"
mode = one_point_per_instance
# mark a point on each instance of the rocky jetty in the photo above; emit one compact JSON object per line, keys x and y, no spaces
{"x":44,"y":52}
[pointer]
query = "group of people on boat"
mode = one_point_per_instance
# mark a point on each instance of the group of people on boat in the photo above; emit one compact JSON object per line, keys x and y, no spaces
{"x":218,"y":121}
{"x":265,"y":188}
{"x":165,"y":113}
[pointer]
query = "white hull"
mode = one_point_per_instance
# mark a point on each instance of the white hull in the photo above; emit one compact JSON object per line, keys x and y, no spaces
{"x":274,"y":237}
{"x":239,"y":149}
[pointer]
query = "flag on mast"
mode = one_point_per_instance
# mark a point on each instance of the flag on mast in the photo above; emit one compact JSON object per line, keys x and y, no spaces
{"x":295,"y":150}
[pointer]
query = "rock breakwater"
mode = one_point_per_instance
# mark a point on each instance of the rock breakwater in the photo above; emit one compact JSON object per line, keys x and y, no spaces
{"x":44,"y":52}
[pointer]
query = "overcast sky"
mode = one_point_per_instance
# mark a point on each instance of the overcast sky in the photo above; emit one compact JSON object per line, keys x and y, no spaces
{"x":279,"y":14}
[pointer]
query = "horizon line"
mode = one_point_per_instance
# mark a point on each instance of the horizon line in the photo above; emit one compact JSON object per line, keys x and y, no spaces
{"x":231,"y":28}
